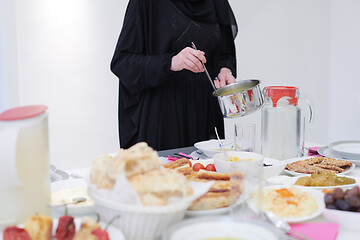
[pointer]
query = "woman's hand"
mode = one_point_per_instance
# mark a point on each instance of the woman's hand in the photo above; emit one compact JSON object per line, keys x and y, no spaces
{"x":189,"y":59}
{"x":225,"y":77}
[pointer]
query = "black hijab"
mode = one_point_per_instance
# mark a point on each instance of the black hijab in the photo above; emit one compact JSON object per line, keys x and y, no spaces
{"x":208,"y":11}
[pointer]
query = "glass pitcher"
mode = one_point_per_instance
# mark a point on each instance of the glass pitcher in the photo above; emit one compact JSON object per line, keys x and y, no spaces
{"x":24,"y":161}
{"x":283,"y":123}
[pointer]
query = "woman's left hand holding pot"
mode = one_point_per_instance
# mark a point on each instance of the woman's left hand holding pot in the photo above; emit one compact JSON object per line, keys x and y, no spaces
{"x":224,"y":77}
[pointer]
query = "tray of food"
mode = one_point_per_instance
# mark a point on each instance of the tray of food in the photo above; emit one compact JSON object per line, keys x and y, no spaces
{"x":308,"y":165}
{"x":42,"y":227}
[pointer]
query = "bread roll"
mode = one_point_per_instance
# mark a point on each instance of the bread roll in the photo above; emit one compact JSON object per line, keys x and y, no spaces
{"x":87,"y":226}
{"x":39,"y":227}
{"x":139,"y":158}
{"x":155,"y":187}
{"x":98,"y":174}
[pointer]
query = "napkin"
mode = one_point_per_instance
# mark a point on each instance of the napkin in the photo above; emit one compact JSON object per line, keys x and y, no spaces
{"x":317,"y":230}
{"x":313,"y":151}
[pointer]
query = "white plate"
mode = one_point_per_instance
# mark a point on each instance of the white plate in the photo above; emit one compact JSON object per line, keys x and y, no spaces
{"x":220,"y":227}
{"x":288,"y":181}
{"x":114,"y":233}
{"x":348,"y":149}
{"x":326,"y":151}
{"x":198,"y":213}
{"x":72,"y":209}
{"x":303,"y":158}
{"x":319,"y":197}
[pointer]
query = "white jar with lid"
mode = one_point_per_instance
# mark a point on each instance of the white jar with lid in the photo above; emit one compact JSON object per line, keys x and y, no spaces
{"x":24,"y":160}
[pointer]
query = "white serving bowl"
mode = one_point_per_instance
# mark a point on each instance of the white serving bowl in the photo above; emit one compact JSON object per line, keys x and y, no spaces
{"x":211,"y":147}
{"x":222,"y":165}
{"x":347,"y":220}
{"x":275,"y":169}
{"x":137,"y":221}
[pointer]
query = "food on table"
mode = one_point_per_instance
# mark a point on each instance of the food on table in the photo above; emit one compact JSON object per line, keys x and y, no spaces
{"x":218,"y":195}
{"x":198,"y":166}
{"x":289,"y":202}
{"x":39,"y":227}
{"x":87,"y":226}
{"x":210,"y":167}
{"x":98,"y":173}
{"x":66,"y":228}
{"x":155,"y":187}
{"x":15,"y":233}
{"x":319,"y":165}
{"x":66,"y":196}
{"x":320,"y":179}
{"x":142,"y":168}
{"x":339,"y":199}
{"x":100,"y":234}
{"x":138,"y":158}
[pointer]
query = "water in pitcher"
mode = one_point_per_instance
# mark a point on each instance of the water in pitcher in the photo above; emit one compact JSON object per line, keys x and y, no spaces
{"x":32,"y":195}
{"x":281,"y":128}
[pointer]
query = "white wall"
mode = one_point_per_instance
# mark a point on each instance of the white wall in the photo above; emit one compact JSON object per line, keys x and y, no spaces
{"x":344,"y":94}
{"x":285,"y":42}
{"x":59,"y":53}
{"x":64,"y":53}
{"x":9,"y":94}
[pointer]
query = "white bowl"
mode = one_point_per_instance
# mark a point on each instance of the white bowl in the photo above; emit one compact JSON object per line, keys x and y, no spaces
{"x":211,"y":147}
{"x":73,"y":188}
{"x":275,"y":169}
{"x":137,"y":221}
{"x":222,"y":165}
{"x":347,"y":220}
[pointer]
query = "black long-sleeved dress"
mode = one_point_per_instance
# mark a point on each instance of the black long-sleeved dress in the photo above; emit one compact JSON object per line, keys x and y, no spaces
{"x":167,"y":109}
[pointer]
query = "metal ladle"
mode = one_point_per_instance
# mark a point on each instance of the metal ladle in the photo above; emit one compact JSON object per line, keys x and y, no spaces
{"x":282,"y":225}
{"x":206,"y":71}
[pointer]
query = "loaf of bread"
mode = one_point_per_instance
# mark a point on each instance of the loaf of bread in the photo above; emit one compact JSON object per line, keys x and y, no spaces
{"x":155,"y":187}
{"x":39,"y":227}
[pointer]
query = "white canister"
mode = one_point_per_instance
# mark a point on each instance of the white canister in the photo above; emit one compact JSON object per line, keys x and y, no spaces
{"x":24,"y":161}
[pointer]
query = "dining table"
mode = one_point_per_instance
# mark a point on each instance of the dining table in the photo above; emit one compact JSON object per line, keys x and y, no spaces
{"x":343,"y":234}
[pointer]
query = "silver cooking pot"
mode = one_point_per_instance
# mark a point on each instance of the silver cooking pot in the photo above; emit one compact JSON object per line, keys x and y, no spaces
{"x":240,"y":98}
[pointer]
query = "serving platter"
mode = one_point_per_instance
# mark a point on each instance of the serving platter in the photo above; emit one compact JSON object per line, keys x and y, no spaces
{"x":317,"y":195}
{"x":293,"y":173}
{"x":289,"y":181}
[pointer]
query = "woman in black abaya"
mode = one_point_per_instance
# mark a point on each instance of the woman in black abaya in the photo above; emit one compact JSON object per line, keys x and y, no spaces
{"x":164,"y":95}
